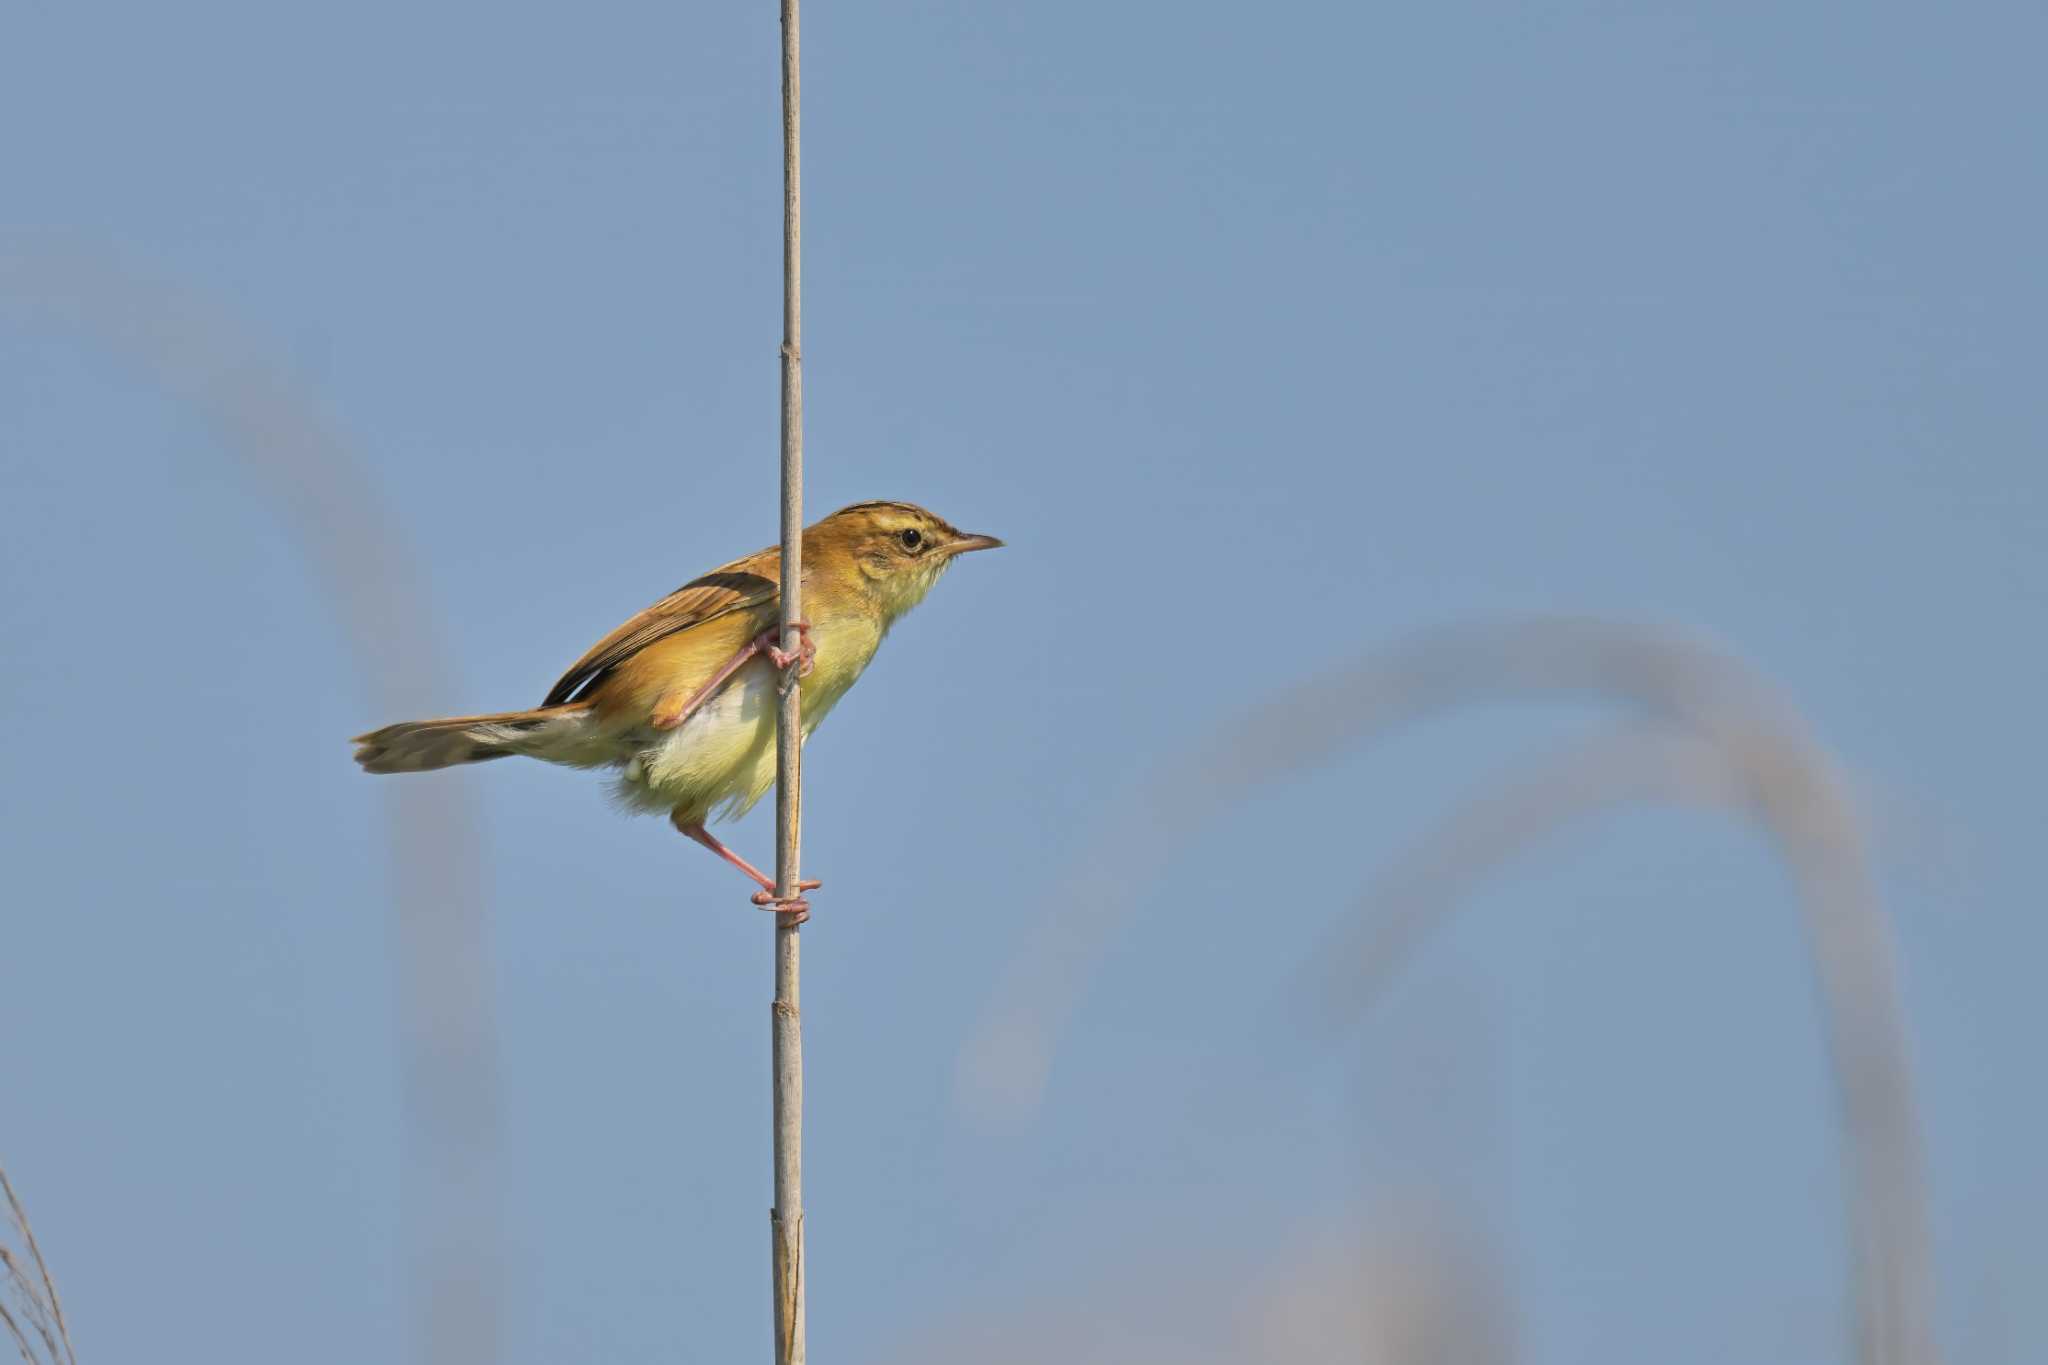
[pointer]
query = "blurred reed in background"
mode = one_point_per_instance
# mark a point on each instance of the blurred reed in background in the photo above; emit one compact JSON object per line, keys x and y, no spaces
{"x":1699,"y":728}
{"x":335,"y":513}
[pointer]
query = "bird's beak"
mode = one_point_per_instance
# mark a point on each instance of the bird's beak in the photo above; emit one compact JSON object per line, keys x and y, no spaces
{"x":966,"y":543}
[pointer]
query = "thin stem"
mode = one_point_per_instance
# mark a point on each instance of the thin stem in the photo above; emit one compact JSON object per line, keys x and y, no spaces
{"x":28,"y":1236}
{"x":14,"y":1330}
{"x":32,"y":1306}
{"x":787,"y":1217}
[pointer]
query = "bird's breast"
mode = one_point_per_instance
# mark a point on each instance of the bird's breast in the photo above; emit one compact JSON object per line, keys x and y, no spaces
{"x":845,"y":645}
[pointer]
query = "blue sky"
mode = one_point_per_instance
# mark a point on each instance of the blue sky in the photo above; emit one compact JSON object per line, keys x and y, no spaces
{"x":1263,"y":339}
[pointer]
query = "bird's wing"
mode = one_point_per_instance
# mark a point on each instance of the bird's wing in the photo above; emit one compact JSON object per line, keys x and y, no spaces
{"x":743,"y":585}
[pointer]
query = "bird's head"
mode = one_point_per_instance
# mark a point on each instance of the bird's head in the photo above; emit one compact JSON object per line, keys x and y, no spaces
{"x":894,"y":550}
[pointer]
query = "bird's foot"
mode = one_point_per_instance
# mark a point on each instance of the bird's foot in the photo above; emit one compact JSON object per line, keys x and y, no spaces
{"x":765,"y":897}
{"x":795,"y":906}
{"x":805,"y":657}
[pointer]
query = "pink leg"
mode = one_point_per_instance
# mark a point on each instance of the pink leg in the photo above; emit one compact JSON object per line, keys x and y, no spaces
{"x":765,"y":897}
{"x":669,"y":711}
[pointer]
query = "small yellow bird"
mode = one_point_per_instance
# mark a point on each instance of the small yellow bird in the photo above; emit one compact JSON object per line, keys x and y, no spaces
{"x":683,"y":699}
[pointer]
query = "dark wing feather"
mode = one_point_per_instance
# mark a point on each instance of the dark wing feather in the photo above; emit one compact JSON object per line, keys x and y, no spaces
{"x":739,"y":586}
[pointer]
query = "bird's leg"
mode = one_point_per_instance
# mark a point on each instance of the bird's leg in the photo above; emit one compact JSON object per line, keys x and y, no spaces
{"x":673,"y":708}
{"x":765,"y":897}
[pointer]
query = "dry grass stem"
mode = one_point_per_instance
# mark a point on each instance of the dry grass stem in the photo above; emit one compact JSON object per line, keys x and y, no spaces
{"x":36,"y":1295}
{"x":14,"y":1330}
{"x":786,"y":1218}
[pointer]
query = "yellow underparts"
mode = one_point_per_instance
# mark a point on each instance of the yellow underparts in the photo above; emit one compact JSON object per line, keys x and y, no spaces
{"x":721,"y":760}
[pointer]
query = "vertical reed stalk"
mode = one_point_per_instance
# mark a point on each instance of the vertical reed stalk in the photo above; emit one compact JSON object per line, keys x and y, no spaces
{"x":786,"y":1220}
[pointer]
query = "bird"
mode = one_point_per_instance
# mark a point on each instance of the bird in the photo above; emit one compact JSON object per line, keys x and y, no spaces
{"x":682,"y":701}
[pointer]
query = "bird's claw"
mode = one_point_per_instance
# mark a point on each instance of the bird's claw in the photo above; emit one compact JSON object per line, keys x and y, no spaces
{"x":795,"y":905}
{"x":805,"y":657}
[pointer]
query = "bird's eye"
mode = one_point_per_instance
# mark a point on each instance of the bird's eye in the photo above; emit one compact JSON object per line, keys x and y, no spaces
{"x":911,"y":538}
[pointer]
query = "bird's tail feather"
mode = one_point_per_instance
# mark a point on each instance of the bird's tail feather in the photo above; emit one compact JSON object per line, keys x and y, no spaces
{"x":561,"y":734}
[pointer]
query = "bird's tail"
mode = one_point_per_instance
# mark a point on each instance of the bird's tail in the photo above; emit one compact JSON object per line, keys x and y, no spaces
{"x":561,"y":734}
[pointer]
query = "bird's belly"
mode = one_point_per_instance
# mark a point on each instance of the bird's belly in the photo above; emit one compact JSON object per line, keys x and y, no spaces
{"x":714,"y":757}
{"x":722,"y":759}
